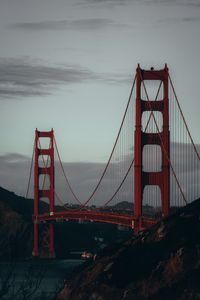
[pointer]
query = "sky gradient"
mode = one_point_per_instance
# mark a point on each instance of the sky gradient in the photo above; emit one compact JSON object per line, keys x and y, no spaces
{"x":69,"y":65}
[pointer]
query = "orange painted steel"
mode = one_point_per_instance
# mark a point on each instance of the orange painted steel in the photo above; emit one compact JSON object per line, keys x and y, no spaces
{"x":135,"y":220}
{"x":141,"y":178}
{"x":43,"y":193}
{"x":94,"y":216}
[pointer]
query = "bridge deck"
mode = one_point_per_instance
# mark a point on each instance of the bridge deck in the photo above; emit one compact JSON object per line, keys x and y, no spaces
{"x":92,"y":216}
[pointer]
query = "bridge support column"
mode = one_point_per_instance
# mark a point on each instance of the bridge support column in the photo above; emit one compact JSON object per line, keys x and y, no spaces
{"x":43,"y":244}
{"x":141,"y":138}
{"x":51,"y":241}
{"x":35,"y":251}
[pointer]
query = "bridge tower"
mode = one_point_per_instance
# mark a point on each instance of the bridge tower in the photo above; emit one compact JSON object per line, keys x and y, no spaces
{"x":47,"y":241}
{"x":141,"y":138}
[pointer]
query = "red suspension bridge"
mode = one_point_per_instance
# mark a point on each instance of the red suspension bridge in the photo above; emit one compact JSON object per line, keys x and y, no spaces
{"x":154,"y":165}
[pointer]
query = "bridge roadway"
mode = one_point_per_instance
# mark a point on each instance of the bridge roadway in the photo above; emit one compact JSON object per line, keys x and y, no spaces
{"x":93,"y":216}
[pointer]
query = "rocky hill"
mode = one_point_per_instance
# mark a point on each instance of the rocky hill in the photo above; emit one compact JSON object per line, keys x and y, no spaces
{"x":161,"y":263}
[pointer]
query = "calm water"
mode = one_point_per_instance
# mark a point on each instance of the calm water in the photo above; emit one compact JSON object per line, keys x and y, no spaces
{"x":34,"y":280}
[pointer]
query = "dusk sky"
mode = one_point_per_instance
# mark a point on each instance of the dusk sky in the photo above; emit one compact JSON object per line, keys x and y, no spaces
{"x":69,"y":65}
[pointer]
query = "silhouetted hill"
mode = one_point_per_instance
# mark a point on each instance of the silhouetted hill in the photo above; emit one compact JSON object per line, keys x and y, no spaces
{"x":16,"y":230}
{"x":123,"y":205}
{"x":161,"y":263}
{"x":15,"y":225}
{"x":19,"y":204}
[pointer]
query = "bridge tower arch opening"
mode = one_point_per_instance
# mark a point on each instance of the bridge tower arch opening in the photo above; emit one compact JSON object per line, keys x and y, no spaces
{"x":159,"y":137}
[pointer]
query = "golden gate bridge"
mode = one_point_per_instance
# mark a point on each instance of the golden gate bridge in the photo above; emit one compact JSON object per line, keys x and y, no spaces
{"x":153,"y":163}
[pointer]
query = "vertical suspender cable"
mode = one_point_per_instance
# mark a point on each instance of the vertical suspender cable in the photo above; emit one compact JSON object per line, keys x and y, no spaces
{"x":191,"y":139}
{"x":67,"y":181}
{"x":165,"y":152}
{"x":119,"y":187}
{"x":106,"y":167}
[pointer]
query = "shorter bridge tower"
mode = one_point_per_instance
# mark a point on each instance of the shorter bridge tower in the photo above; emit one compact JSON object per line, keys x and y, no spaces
{"x":141,"y":138}
{"x":43,"y":243}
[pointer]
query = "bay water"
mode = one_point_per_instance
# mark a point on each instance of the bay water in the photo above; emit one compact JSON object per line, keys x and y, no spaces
{"x":34,"y":280}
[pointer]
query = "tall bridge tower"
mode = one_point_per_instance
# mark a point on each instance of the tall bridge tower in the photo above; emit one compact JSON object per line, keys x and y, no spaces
{"x":141,"y":138}
{"x":44,"y":242}
{"x":40,"y":192}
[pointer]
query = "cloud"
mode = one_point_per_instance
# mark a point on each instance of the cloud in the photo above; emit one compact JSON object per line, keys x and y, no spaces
{"x":174,"y":2}
{"x":22,"y":77}
{"x":25,"y":78}
{"x":79,"y":25}
{"x":180,"y":20}
{"x":107,"y":2}
{"x":83,"y":177}
{"x":11,"y":158}
{"x":194,"y":3}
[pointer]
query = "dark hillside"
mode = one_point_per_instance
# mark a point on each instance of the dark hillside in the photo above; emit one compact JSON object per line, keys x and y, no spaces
{"x":16,"y":230}
{"x":15,"y":225}
{"x":19,"y":204}
{"x":161,"y":263}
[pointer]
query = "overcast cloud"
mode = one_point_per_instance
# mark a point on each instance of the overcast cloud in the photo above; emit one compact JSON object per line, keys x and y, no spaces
{"x":177,"y":20}
{"x":84,"y":176}
{"x":149,"y":2}
{"x":80,"y":24}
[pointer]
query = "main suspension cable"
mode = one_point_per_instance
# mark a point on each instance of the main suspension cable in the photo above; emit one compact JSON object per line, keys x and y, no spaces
{"x":45,"y":167}
{"x":106,"y":167}
{"x":67,"y":181}
{"x":120,"y":185}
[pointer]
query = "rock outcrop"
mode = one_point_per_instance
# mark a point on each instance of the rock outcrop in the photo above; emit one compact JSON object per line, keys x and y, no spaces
{"x":163,"y":262}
